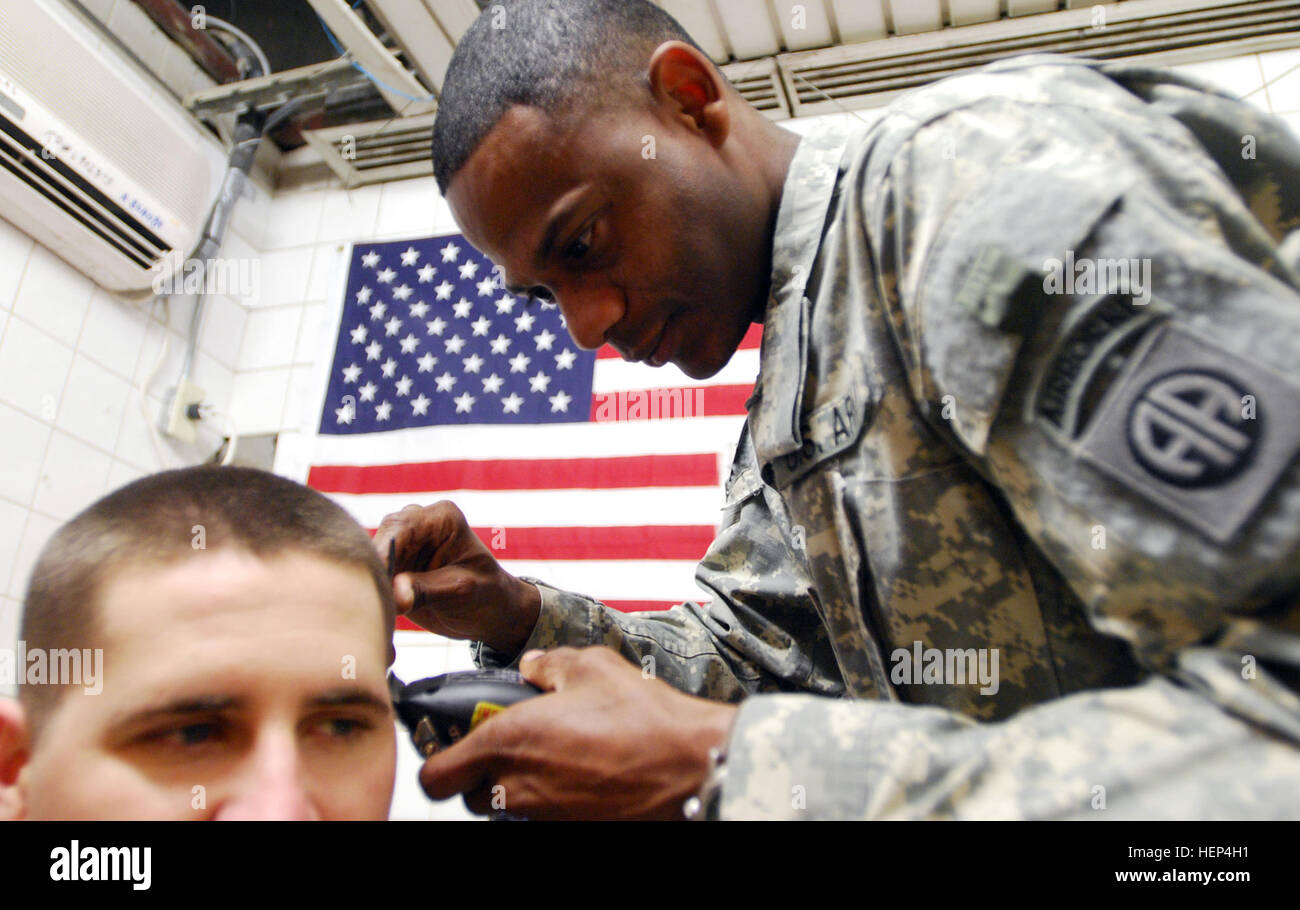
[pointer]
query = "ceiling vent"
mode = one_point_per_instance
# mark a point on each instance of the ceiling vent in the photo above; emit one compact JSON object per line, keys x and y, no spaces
{"x":375,"y":152}
{"x":871,"y":74}
{"x":759,"y":83}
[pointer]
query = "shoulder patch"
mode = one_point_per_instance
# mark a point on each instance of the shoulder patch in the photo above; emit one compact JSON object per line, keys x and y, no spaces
{"x":1198,"y":429}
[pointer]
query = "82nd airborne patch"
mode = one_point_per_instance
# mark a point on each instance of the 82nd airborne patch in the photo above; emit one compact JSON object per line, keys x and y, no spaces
{"x":1197,"y":429}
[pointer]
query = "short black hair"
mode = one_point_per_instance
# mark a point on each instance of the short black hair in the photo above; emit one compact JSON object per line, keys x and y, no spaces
{"x":556,"y":55}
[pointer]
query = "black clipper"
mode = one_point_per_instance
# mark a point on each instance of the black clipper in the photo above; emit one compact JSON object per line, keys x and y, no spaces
{"x":441,"y":710}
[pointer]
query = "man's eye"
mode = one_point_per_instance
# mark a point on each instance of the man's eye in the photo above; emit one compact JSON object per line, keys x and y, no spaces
{"x":535,"y":295}
{"x":343,"y":728}
{"x":187,"y":736}
{"x":198,"y":734}
{"x":581,"y":246}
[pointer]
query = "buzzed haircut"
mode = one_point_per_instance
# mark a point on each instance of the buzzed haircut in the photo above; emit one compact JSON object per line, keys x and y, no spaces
{"x":163,"y":518}
{"x":556,"y":55}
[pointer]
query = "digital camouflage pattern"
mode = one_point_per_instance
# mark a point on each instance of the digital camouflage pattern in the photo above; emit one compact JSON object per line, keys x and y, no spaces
{"x":1094,"y":481}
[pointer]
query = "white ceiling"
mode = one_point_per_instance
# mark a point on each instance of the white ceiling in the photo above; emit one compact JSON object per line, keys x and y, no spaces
{"x":744,"y":29}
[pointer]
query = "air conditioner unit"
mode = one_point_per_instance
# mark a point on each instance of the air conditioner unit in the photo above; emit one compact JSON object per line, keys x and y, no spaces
{"x":95,"y":163}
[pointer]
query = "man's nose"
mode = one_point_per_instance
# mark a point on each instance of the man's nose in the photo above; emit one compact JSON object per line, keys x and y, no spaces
{"x":590,"y":312}
{"x":270,"y":785}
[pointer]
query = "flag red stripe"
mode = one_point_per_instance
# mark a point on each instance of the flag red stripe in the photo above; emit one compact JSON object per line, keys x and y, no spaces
{"x":623,"y":606}
{"x":639,"y":606}
{"x":519,"y":474}
{"x":681,"y":542}
{"x":658,"y":404}
{"x":689,"y":542}
{"x":753,"y":339}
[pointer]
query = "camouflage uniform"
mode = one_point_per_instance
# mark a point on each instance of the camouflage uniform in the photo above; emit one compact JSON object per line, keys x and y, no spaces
{"x":946,"y":447}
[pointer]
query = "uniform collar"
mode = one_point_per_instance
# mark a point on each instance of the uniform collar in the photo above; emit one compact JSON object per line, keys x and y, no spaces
{"x":809,"y":185}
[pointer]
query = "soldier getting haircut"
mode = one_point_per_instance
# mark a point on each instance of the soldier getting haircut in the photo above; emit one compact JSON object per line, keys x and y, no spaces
{"x":167,"y":517}
{"x":562,"y":56}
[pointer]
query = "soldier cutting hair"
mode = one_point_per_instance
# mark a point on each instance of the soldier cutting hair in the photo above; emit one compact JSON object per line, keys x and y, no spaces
{"x":1012,"y":527}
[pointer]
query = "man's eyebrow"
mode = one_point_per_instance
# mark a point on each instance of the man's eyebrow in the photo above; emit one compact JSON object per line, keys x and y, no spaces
{"x":202,"y":704}
{"x":562,"y":214}
{"x":349,"y":697}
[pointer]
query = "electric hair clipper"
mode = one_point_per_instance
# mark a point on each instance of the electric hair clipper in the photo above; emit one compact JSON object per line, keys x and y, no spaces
{"x":443,"y":709}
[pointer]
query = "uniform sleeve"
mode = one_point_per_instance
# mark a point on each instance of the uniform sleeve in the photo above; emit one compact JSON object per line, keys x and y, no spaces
{"x":760,"y":631}
{"x":1091,"y":290}
{"x":1155,"y":751}
{"x":1095,"y":297}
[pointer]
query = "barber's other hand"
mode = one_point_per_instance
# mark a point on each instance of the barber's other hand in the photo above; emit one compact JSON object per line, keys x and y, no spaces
{"x":604,"y":742}
{"x":448,"y":582}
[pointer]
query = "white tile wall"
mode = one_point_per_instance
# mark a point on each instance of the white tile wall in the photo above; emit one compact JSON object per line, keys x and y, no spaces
{"x":224,"y":321}
{"x":328,"y":270}
{"x":294,"y":219}
{"x":36,"y":531}
{"x":248,"y":220}
{"x":349,"y":214}
{"x":302,"y":399}
{"x":284,"y":276}
{"x":271,"y":337}
{"x":1241,"y":76}
{"x":15,"y":248}
{"x":25,"y":441}
{"x":52,"y":296}
{"x":113,"y":333}
{"x":71,"y":422}
{"x":237,"y":247}
{"x":73,"y":475}
{"x":412,"y":208}
{"x":1281,"y":70}
{"x":33,"y":368}
{"x":258,"y":397}
{"x":93,"y":404}
{"x":12,"y":519}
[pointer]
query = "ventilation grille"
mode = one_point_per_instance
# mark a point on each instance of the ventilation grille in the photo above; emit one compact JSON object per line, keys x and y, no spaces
{"x":55,"y":62}
{"x":363,"y":153}
{"x":759,"y":83}
{"x":870,"y":74}
{"x":21,"y":155}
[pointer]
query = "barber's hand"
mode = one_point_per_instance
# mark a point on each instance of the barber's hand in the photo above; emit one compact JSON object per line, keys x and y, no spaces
{"x":607,"y":743}
{"x":447,"y":581}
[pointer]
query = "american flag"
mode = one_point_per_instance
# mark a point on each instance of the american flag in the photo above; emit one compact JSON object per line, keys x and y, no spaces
{"x":593,"y":474}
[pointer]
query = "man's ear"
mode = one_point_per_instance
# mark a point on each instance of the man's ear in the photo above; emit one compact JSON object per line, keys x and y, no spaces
{"x":686,"y":80}
{"x":13,"y":758}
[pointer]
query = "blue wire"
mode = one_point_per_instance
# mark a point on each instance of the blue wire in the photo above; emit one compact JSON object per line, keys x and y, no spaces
{"x":365,"y":72}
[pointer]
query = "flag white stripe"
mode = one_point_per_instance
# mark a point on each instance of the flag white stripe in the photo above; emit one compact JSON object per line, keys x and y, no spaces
{"x":620,"y":376}
{"x":483,"y":442}
{"x":631,"y":579}
{"x":553,"y":508}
